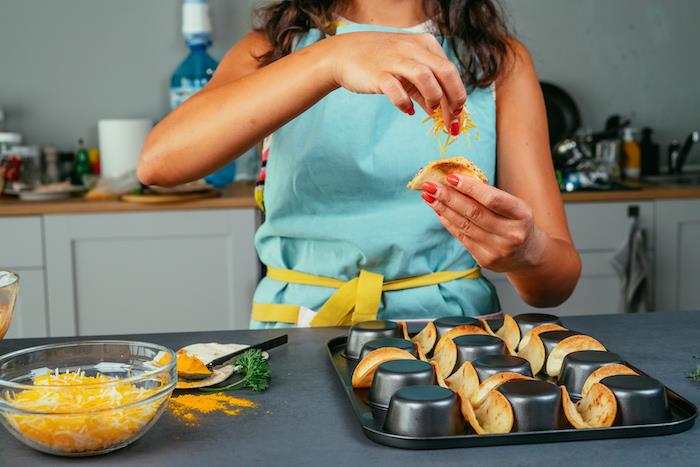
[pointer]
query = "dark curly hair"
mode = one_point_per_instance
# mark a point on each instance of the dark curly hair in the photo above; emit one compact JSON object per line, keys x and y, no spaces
{"x":476,"y":30}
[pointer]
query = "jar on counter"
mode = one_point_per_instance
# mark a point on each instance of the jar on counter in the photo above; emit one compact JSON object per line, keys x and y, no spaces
{"x":633,"y":153}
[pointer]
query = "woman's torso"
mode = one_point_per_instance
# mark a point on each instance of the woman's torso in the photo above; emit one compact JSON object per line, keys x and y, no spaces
{"x":336,"y":201}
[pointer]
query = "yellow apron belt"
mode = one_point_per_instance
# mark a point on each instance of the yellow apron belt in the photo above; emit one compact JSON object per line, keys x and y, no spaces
{"x":355,"y":300}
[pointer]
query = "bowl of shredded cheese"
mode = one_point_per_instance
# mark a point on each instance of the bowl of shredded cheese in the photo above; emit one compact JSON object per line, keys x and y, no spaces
{"x":85,"y":398}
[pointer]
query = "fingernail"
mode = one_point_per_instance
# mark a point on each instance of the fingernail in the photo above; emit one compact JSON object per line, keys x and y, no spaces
{"x":428,"y":199}
{"x":411,"y":110}
{"x":456,"y":112}
{"x":453,"y":180}
{"x":454,"y":128}
{"x":430,"y":187}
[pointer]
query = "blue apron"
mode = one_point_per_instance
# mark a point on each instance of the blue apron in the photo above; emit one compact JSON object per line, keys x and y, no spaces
{"x":336,"y":202}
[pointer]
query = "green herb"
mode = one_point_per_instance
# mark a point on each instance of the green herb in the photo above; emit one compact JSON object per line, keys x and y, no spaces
{"x":255,"y":370}
{"x":695,"y":375}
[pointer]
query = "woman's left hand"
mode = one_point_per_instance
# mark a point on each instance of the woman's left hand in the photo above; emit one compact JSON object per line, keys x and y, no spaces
{"x":497,"y":228}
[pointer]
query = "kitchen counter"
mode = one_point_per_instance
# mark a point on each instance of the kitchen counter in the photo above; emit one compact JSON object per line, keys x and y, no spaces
{"x":236,"y":195}
{"x":305,"y":419}
{"x":645,"y":192}
{"x":240,"y":195}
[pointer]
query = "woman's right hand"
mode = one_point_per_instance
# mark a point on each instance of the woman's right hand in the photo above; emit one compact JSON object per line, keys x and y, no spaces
{"x":404,"y":67}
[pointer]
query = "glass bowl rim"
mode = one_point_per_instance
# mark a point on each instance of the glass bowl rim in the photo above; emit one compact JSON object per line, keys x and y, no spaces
{"x":13,"y":276}
{"x":112,"y":382}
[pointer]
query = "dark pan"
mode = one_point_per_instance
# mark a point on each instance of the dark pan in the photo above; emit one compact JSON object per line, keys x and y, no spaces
{"x":366,"y":331}
{"x":683,"y":415}
{"x":563,"y":116}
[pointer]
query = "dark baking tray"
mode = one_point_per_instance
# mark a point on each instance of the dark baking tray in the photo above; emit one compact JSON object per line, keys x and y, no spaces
{"x":682,"y":411}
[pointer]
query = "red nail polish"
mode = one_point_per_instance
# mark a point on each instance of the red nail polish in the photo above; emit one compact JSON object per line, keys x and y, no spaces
{"x":457,"y":111}
{"x":453,"y":180}
{"x":430,"y":187}
{"x":411,"y":110}
{"x":454,"y":129}
{"x":428,"y":199}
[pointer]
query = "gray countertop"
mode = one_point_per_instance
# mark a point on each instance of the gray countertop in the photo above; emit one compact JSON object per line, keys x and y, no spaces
{"x":305,"y":418}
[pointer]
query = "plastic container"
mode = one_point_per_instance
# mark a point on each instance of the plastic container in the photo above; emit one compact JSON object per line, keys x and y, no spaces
{"x":633,"y":154}
{"x":197,"y":69}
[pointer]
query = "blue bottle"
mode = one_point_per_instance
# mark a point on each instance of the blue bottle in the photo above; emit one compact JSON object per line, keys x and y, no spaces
{"x":197,"y":69}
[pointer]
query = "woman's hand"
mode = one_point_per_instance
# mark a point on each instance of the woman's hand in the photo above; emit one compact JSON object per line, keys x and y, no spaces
{"x":404,"y":67}
{"x":497,"y":228}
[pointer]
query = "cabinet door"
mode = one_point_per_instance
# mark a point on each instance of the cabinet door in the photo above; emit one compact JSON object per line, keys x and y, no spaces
{"x":598,"y":291}
{"x":598,"y":230}
{"x":678,"y":255}
{"x":29,"y":319}
{"x":150,"y":272}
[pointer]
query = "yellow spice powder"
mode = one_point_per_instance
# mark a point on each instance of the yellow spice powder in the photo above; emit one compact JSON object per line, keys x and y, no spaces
{"x":189,"y":407}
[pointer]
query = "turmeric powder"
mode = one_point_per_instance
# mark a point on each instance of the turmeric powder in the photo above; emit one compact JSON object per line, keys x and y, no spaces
{"x":189,"y":407}
{"x":192,"y":365}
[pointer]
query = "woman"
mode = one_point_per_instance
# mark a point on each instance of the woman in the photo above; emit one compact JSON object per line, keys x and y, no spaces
{"x":343,"y":235}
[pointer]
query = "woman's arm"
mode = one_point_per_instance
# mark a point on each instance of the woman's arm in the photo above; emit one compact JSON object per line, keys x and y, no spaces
{"x":245,"y":102}
{"x":520,"y":227}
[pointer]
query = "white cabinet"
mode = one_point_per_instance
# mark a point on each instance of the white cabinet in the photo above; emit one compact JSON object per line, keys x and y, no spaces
{"x":30,"y":314}
{"x":21,"y":251}
{"x":598,"y":230}
{"x":150,"y":272}
{"x":678,"y":255}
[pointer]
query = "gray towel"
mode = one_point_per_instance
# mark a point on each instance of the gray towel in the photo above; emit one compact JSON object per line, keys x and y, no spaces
{"x":632,"y":265}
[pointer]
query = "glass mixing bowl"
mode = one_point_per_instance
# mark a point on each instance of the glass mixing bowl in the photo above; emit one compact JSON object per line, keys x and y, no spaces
{"x":85,"y":398}
{"x":9,"y":289}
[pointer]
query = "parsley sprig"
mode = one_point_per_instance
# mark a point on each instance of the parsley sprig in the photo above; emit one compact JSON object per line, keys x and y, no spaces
{"x":255,"y":371}
{"x":695,"y":375}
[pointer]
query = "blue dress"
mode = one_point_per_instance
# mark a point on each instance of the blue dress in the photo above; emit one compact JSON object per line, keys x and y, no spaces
{"x":336,"y":202}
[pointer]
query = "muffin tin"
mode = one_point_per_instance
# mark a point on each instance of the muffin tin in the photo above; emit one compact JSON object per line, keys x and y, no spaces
{"x":409,"y":406}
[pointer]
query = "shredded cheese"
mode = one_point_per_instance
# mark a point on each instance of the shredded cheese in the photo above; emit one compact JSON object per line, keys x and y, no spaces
{"x":82,"y":415}
{"x":440,"y":128}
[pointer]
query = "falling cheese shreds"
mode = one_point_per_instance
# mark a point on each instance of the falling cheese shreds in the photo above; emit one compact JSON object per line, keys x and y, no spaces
{"x":441,"y":132}
{"x":76,"y":413}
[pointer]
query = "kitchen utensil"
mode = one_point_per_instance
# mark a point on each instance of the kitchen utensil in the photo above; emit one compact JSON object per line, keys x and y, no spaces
{"x":394,"y":342}
{"x":9,"y":291}
{"x":563,"y":116}
{"x":121,"y":141}
{"x":396,"y":374}
{"x":536,"y":404}
{"x":474,"y":346}
{"x":67,"y":415}
{"x":577,"y":366}
{"x":424,"y":410}
{"x":366,"y":331}
{"x":267,"y":345}
{"x":640,"y":399}
{"x":682,"y":417}
{"x":490,"y":365}
{"x":217,"y":357}
{"x":444,"y":324}
{"x":529,"y":321}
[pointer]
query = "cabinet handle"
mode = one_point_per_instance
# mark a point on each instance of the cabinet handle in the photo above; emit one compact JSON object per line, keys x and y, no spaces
{"x":633,"y":211}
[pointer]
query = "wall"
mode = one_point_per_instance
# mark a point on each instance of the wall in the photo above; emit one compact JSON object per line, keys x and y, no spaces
{"x":633,"y":57}
{"x":74,"y":61}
